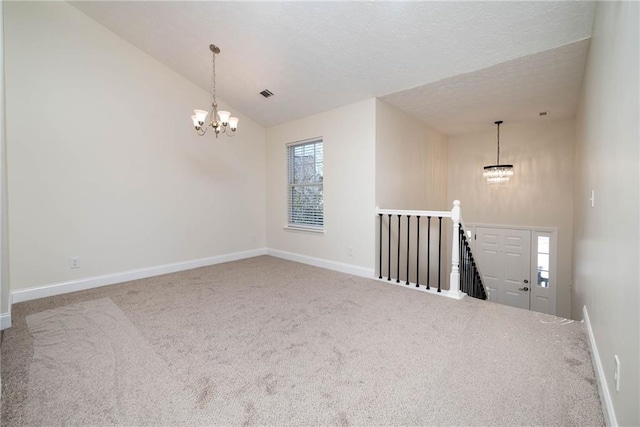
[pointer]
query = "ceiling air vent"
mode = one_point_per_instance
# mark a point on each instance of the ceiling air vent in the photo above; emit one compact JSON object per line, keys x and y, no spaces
{"x":266,"y":93}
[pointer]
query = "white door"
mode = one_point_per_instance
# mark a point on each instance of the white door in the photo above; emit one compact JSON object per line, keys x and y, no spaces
{"x":505,"y":264}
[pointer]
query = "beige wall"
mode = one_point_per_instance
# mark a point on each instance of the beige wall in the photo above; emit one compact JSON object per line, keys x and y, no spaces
{"x":4,"y":234}
{"x":539,"y":195}
{"x":349,"y":176}
{"x":103,"y":162}
{"x":606,"y":236}
{"x":411,"y":162}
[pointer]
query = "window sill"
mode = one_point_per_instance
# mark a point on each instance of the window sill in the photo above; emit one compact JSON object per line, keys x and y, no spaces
{"x":308,"y":230}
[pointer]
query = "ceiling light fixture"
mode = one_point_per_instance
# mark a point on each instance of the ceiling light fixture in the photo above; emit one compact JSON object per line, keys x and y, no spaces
{"x":221,"y":121}
{"x":498,"y":174}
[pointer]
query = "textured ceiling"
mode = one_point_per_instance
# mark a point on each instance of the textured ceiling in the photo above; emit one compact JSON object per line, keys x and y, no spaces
{"x":316,"y":56}
{"x":513,"y":91}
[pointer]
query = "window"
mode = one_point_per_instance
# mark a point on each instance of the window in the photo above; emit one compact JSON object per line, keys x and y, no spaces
{"x":543,"y":261}
{"x":305,"y":185}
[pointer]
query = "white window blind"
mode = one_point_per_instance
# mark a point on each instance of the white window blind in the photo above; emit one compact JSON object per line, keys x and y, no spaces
{"x":305,"y":184}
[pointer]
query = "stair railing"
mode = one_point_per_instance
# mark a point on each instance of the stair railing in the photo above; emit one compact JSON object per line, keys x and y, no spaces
{"x":470,"y":278}
{"x":463,"y":269}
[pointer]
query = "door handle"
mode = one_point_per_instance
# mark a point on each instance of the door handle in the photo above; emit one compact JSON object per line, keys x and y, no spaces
{"x":523,"y":289}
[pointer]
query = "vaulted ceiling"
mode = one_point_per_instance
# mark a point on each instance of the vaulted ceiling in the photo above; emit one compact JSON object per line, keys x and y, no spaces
{"x":457,"y":66}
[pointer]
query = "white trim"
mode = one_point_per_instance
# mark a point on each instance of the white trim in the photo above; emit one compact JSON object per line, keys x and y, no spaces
{"x":515,"y":227}
{"x":305,"y":141}
{"x":301,"y":229}
{"x":5,"y":318}
{"x":323,"y":263}
{"x":5,"y":321}
{"x":21,"y":295}
{"x":603,"y":388}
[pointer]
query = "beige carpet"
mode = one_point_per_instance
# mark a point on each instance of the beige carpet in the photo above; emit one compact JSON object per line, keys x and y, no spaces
{"x":267,"y":341}
{"x":104,"y":366}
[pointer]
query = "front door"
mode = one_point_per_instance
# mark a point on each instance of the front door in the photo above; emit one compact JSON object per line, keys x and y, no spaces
{"x":505,"y":263}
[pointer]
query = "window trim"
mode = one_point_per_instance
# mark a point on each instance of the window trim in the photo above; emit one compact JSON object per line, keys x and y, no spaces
{"x":290,"y":226}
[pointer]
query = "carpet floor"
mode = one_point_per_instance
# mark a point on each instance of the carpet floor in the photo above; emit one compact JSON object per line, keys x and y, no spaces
{"x":264,"y":341}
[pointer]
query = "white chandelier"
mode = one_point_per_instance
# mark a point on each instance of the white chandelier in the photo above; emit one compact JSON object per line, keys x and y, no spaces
{"x":221,"y":121}
{"x":498,"y":174}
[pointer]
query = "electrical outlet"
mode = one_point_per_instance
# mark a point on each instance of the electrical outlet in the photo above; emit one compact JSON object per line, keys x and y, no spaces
{"x":616,"y":371}
{"x":592,"y":199}
{"x":74,"y":262}
{"x":350,"y":251}
{"x":253,"y":239}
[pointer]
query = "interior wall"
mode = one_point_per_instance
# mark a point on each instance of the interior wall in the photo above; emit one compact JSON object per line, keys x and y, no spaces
{"x":606,"y":236}
{"x":103,"y":160}
{"x":348,"y":134}
{"x":540,"y":194}
{"x":411,"y":162}
{"x":411,"y":174}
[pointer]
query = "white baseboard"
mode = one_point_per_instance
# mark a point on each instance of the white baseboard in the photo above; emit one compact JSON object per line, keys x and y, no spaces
{"x":324,"y":263}
{"x":422,"y":288}
{"x":5,"y":320}
{"x":21,"y":295}
{"x":603,"y":388}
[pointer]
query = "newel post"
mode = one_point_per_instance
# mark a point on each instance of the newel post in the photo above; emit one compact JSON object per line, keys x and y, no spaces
{"x":454,"y":280}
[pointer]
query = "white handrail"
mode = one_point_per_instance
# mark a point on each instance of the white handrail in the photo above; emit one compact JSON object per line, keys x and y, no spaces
{"x":444,"y":214}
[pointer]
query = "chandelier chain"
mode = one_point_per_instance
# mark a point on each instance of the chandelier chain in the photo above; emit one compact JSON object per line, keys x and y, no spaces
{"x":498,"y":159}
{"x":213,"y":81}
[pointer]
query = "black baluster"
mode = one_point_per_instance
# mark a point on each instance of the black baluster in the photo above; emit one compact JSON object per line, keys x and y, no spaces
{"x":472,"y":281}
{"x":469,"y":282}
{"x":475,"y":287}
{"x":463,"y":266}
{"x":380,"y":248}
{"x":477,"y":292}
{"x":460,"y":264}
{"x":408,"y":240}
{"x":473,"y":274}
{"x":439,"y":251}
{"x":428,"y":251}
{"x":389,"y":251}
{"x":418,"y":254}
{"x":472,"y":271}
{"x":398,"y":263}
{"x":469,"y":268}
{"x":477,"y":282}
